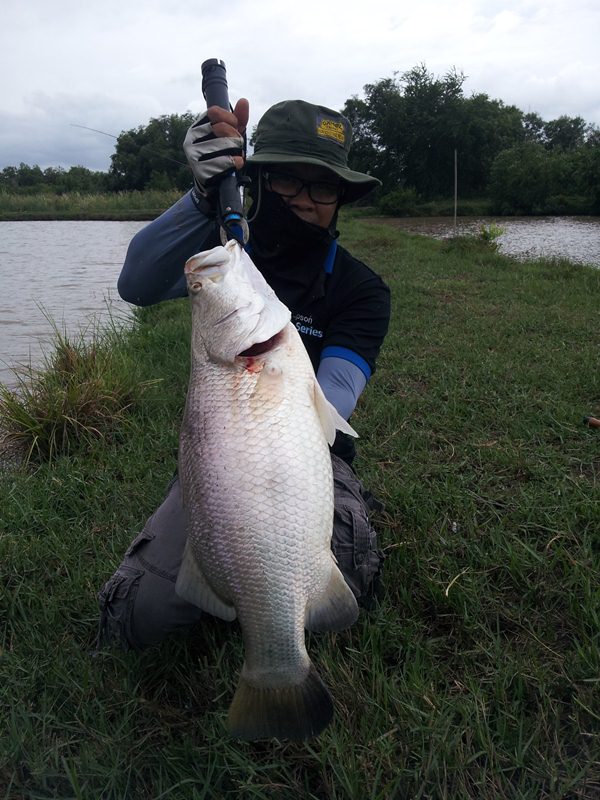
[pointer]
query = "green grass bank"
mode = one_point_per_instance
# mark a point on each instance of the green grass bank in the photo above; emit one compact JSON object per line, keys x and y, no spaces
{"x":86,"y":206}
{"x":150,"y":203}
{"x":477,"y":677}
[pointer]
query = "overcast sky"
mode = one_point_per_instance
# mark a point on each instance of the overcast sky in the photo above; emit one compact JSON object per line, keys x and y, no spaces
{"x":115,"y":64}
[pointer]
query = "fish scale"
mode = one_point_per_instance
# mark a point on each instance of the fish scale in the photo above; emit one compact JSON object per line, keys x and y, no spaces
{"x":257,"y":485}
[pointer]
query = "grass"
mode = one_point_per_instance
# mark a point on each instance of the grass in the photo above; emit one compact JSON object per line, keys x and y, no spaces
{"x":478,"y":675}
{"x":150,"y":203}
{"x":415,"y":207}
{"x":82,"y":392}
{"x":80,"y":205}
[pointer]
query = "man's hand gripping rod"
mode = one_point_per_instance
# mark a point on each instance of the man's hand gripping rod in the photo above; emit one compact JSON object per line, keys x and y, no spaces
{"x":230,"y":208}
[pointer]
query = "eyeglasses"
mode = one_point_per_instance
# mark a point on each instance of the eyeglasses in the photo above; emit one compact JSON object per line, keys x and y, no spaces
{"x":322,"y":192}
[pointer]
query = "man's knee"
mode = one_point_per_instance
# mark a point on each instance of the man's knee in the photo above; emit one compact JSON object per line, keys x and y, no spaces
{"x":354,"y":541}
{"x":138,"y":604}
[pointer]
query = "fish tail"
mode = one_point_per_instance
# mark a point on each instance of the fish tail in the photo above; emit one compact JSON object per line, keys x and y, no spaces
{"x":296,"y":711}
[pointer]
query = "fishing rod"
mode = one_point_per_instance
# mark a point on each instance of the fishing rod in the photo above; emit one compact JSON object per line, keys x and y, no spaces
{"x":230,"y":207}
{"x":230,"y":211}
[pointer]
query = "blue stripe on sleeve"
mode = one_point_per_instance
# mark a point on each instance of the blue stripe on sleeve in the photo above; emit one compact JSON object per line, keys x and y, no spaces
{"x":348,"y":355}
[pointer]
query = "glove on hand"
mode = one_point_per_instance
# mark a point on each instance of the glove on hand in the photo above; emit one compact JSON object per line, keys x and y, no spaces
{"x":210,"y":156}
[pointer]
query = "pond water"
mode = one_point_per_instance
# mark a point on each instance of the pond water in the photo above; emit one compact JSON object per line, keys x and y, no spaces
{"x":65,"y":273}
{"x":575,"y":238}
{"x":61,"y":273}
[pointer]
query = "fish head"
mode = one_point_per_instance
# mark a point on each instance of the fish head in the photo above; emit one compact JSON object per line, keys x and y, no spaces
{"x":234,"y":310}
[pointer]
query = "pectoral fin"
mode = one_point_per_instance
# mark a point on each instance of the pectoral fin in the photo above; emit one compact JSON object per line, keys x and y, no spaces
{"x":333,"y":610}
{"x":192,"y":586}
{"x":330,"y":419}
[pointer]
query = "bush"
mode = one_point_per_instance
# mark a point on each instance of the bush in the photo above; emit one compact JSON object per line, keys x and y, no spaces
{"x":399,"y":203}
{"x":566,"y":204}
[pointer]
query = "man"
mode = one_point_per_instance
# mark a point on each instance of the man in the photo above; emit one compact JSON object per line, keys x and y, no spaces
{"x":300,"y":178}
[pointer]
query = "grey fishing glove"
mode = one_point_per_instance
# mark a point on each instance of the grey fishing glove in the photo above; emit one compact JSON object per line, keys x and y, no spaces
{"x":210,"y":156}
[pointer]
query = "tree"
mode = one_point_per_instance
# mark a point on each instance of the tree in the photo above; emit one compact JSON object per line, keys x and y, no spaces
{"x":365,"y":154}
{"x":428,"y":130}
{"x":519,"y":181}
{"x":407,"y":128}
{"x":29,"y":176}
{"x":565,"y":132}
{"x":151,"y":156}
{"x":534,"y":128}
{"x":485,"y":128}
{"x":533,"y":179}
{"x":81,"y":179}
{"x":9,"y":179}
{"x":25,"y":179}
{"x":401,"y":128}
{"x":373,"y":150}
{"x":587,"y":172}
{"x":592,"y":135}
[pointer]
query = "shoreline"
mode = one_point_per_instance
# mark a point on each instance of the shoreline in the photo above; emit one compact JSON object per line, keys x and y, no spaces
{"x":135,"y":215}
{"x":95,"y":216}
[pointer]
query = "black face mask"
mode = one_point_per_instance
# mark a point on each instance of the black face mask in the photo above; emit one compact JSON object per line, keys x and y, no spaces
{"x":276,"y":230}
{"x":289,"y":251}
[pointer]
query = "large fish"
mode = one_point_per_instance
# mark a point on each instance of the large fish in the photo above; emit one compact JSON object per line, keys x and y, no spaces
{"x":257,"y":486}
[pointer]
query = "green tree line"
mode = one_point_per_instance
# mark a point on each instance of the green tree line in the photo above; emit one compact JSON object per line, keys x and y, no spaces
{"x":147,"y":157}
{"x":407,"y":130}
{"x":26,"y":179}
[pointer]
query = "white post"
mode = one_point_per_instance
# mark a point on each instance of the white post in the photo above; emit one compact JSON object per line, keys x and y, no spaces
{"x":455,"y":187}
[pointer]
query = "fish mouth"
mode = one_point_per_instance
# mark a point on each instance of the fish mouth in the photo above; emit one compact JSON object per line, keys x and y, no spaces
{"x":260,"y":348}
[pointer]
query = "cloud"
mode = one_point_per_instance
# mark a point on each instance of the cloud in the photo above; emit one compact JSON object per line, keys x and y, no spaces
{"x":46,"y":134}
{"x":115,"y":65}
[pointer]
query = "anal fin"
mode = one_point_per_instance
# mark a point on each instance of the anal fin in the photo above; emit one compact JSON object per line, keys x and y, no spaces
{"x":335,"y":609}
{"x":192,"y":586}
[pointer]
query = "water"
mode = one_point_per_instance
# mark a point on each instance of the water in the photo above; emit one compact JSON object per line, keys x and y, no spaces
{"x":68,"y":270}
{"x":60,"y":271}
{"x":575,"y":238}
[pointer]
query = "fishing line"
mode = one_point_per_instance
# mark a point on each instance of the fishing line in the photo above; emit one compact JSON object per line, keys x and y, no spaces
{"x":168,"y":158}
{"x":149,"y":149}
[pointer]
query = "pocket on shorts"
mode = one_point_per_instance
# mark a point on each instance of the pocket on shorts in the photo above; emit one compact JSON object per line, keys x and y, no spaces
{"x":355,"y":545}
{"x":117,"y":600}
{"x":145,"y":535}
{"x":148,"y":532}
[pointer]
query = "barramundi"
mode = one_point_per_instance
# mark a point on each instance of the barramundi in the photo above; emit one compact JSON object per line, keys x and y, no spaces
{"x":257,"y":484}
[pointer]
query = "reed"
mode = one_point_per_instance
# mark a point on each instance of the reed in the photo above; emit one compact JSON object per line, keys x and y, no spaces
{"x":78,"y":205}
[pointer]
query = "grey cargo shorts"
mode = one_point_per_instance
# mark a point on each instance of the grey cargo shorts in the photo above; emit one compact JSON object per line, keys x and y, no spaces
{"x":139,"y":606}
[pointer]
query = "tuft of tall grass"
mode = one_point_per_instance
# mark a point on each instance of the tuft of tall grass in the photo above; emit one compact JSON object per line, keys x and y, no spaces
{"x":483,"y":244}
{"x":83,"y":391}
{"x":490,"y":235}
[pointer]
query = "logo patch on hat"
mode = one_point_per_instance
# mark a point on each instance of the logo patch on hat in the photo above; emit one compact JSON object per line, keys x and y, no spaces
{"x":330,"y":129}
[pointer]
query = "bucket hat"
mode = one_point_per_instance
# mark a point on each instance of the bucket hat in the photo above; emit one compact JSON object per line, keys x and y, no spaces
{"x":297,"y":132}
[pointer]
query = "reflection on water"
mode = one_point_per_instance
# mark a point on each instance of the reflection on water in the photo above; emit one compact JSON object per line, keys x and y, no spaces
{"x":65,"y":270}
{"x":575,"y":238}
